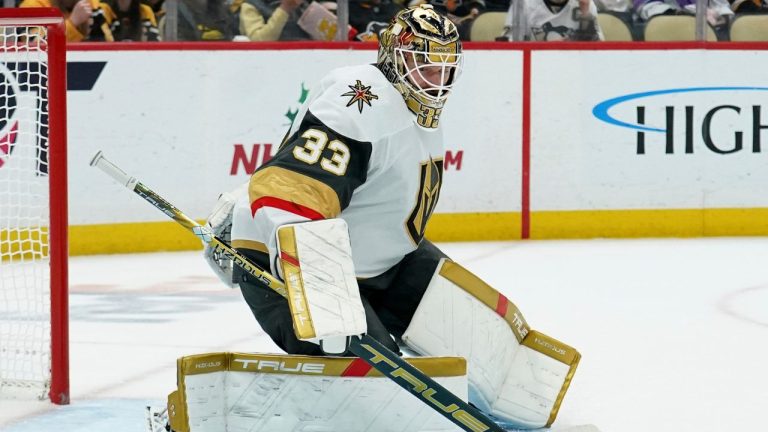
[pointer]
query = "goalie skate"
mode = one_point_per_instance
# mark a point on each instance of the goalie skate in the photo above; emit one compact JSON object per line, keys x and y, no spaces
{"x":157,"y":419}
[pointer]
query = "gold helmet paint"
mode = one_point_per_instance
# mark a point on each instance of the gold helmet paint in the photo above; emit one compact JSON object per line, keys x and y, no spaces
{"x":420,"y":54}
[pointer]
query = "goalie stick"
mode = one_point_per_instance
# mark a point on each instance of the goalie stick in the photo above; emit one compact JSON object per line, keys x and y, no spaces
{"x":202,"y":232}
{"x":450,"y":406}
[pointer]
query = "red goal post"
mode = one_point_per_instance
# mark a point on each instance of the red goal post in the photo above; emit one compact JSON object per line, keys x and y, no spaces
{"x":34,"y":353}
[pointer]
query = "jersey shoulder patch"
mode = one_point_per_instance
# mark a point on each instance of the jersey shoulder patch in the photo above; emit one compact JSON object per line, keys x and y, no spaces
{"x":358,"y":102}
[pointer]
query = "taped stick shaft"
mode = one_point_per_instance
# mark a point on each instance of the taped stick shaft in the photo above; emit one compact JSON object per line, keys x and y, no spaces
{"x":113,"y":171}
{"x":200,"y":231}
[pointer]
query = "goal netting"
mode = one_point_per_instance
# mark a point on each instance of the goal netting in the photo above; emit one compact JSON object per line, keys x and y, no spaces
{"x":33,"y":248}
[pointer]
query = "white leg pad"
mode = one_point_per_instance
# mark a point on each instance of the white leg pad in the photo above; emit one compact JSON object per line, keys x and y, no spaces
{"x":518,"y":375}
{"x":235,"y":392}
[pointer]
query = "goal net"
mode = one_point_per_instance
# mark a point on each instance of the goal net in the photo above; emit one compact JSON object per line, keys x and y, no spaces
{"x":33,"y":212}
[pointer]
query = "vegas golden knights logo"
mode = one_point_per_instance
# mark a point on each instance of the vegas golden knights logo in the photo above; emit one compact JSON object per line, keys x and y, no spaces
{"x":429,"y":192}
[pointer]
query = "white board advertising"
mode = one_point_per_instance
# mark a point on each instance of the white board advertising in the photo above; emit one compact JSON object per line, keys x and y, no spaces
{"x":674,"y":132}
{"x":677,"y":129}
{"x":192,"y":124}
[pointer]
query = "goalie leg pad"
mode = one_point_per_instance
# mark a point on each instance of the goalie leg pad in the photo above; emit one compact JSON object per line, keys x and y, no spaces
{"x":284,"y":393}
{"x":316,"y":263}
{"x":517,"y":374}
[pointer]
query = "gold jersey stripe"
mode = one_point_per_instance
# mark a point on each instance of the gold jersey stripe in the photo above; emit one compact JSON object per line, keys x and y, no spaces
{"x":295,"y":188}
{"x":475,"y":286}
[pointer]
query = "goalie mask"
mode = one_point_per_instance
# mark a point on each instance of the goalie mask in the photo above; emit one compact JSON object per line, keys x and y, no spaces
{"x":420,"y":54}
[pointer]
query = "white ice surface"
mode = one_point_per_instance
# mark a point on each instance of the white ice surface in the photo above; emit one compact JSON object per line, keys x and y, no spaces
{"x":673,"y":333}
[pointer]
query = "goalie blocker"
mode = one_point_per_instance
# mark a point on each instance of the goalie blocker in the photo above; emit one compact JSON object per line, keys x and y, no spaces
{"x":323,"y":296}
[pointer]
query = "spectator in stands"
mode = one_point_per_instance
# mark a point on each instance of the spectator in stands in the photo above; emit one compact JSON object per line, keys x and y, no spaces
{"x":623,"y":10}
{"x":555,"y":20}
{"x":157,"y":7}
{"x":369,"y":17}
{"x":496,"y":5}
{"x":203,"y":20}
{"x":718,"y":12}
{"x":261,"y":20}
{"x":78,"y":14}
{"x":461,"y":12}
{"x":128,"y":20}
{"x":749,"y":6}
{"x":616,"y":7}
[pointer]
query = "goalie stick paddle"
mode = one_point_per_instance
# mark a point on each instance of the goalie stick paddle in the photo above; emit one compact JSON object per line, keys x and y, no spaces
{"x":422,"y":386}
{"x":371,"y":351}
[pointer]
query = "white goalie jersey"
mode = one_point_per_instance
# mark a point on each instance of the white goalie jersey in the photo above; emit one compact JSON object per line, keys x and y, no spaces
{"x":353,"y":152}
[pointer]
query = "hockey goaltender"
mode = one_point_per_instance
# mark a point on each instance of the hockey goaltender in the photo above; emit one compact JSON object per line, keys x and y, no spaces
{"x":339,"y":214}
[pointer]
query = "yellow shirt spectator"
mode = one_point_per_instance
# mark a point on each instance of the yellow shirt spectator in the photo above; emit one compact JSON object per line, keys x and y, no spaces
{"x":261,"y":20}
{"x":118,"y":18}
{"x":77,"y":13}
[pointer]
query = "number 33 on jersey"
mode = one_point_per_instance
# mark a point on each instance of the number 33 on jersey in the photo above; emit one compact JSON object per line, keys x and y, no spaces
{"x":353,"y":152}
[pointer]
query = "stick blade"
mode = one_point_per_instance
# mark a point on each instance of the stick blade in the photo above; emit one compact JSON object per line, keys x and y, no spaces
{"x":577,"y":428}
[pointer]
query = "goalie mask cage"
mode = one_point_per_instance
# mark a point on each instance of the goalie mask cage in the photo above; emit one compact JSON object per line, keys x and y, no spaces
{"x":33,"y":206}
